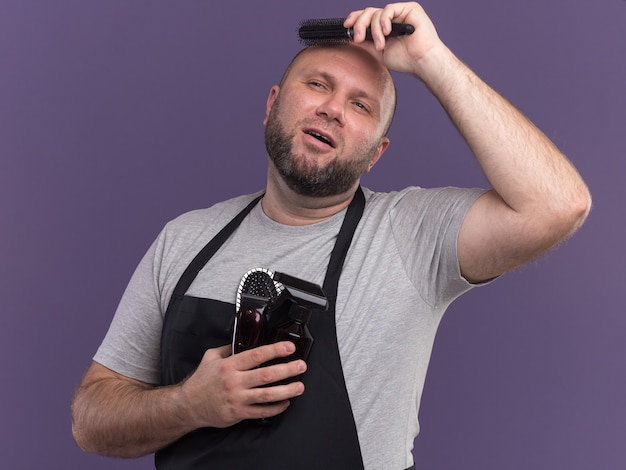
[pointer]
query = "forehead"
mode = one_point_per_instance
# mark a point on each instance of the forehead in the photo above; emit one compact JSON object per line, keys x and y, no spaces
{"x":351,"y":65}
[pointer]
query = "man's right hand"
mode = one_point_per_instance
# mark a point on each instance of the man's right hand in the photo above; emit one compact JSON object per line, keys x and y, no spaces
{"x":226,"y":389}
{"x":119,"y":416}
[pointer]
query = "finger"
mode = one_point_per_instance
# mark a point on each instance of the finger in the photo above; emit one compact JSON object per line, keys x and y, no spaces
{"x":362,"y":22}
{"x":351,"y":18}
{"x":376,"y":27}
{"x":253,"y":358}
{"x":221,"y":352}
{"x":274,"y":394}
{"x":402,"y":13}
{"x":267,"y":410}
{"x":272,"y":374}
{"x":387,"y":17}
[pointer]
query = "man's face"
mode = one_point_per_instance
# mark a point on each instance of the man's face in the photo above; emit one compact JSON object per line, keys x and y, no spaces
{"x":324,"y":125}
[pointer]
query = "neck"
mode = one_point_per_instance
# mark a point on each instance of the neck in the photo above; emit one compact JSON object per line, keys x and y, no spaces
{"x":284,"y":206}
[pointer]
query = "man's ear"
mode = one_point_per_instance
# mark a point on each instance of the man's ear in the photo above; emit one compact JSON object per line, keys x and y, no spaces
{"x":270,"y":102}
{"x":382,"y":147}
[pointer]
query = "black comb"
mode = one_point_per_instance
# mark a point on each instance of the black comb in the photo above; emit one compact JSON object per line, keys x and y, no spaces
{"x":330,"y":31}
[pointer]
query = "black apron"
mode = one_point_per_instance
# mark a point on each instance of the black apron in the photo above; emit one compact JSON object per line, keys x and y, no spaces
{"x":317,"y":431}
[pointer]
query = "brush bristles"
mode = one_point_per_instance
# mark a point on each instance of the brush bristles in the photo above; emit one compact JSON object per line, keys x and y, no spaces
{"x":324,"y":31}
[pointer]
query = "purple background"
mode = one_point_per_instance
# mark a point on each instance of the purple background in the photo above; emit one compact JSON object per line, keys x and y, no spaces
{"x":116,"y":116}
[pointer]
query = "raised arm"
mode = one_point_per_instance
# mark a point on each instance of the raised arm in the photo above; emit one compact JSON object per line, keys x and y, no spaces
{"x":538,"y":197}
{"x":118,"y":416}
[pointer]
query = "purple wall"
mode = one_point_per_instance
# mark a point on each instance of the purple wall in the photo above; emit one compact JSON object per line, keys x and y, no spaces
{"x":116,"y":116}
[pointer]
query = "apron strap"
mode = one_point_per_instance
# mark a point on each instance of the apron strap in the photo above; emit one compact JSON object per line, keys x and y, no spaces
{"x":344,"y":239}
{"x":209,"y":250}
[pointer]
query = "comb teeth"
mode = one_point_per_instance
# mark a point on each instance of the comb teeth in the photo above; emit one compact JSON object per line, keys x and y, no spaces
{"x":324,"y":31}
{"x":259,"y":282}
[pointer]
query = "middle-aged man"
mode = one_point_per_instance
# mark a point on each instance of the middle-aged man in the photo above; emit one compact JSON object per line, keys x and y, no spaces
{"x":164,"y":380}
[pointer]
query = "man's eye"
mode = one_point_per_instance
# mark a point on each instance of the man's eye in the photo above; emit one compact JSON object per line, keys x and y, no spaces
{"x":360,"y":105}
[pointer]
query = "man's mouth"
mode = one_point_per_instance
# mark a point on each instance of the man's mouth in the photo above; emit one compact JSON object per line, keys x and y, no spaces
{"x":321,"y":137}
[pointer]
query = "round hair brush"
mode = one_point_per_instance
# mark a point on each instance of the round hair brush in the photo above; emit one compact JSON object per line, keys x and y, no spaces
{"x":330,"y":31}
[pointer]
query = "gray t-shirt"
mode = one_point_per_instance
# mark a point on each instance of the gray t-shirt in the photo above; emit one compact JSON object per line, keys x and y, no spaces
{"x":400,"y":275}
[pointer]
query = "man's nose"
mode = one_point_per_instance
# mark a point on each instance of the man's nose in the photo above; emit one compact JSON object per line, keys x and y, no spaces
{"x":333,"y":108}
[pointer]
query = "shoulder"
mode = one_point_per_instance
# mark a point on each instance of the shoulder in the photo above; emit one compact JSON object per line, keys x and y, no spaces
{"x":416,"y":213}
{"x":182,"y":237}
{"x":210,"y":218}
{"x":415,"y":199}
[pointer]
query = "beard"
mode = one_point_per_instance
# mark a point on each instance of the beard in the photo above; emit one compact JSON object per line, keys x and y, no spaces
{"x":306,"y":177}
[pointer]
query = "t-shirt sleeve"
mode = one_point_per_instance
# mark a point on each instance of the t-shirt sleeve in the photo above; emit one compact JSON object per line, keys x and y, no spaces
{"x":131,"y":346}
{"x":425,"y":225}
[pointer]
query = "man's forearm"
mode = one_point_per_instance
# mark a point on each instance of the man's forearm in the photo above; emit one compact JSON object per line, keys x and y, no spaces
{"x":115,"y":415}
{"x":522,"y":164}
{"x":127,"y":419}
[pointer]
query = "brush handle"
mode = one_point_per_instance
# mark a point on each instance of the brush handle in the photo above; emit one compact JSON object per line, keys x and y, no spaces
{"x":397,"y":29}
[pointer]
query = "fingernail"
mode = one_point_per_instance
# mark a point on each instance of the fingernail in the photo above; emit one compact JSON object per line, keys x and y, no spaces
{"x":301,"y":366}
